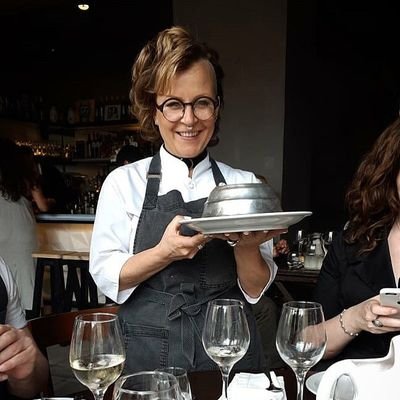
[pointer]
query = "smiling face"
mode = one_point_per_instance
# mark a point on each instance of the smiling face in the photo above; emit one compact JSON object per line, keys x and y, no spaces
{"x":189,"y":136}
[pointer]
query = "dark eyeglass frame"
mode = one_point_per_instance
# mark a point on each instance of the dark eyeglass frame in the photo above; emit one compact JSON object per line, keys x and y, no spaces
{"x":160,"y":107}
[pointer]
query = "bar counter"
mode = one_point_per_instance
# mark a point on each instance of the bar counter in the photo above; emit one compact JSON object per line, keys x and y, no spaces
{"x":89,"y":218}
{"x":69,"y":232}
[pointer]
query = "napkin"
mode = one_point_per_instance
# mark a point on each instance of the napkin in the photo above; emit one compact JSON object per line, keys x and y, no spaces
{"x":253,"y":386}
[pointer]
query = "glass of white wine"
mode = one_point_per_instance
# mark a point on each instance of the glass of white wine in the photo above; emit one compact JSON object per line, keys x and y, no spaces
{"x":301,"y":338}
{"x":226,"y":336}
{"x":97,"y":351}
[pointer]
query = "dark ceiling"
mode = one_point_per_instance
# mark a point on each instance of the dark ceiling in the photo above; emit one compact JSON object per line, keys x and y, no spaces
{"x":42,"y":37}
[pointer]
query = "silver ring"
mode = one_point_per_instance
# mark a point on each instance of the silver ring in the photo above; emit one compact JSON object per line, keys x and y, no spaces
{"x":200,"y":246}
{"x":232,"y":243}
{"x":377,"y":323}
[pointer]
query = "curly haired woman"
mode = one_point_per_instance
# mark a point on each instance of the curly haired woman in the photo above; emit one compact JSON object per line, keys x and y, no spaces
{"x":365,"y":258}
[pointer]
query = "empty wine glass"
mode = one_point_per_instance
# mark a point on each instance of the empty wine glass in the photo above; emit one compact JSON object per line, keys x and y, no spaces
{"x":97,"y":352}
{"x":301,"y":338}
{"x":182,"y":378}
{"x":226,"y":335}
{"x":147,"y":385}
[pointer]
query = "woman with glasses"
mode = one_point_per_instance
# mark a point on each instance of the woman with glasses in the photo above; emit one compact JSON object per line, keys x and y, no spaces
{"x":140,"y":257}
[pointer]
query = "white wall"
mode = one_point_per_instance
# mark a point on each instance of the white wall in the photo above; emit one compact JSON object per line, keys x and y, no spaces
{"x":250,"y":37}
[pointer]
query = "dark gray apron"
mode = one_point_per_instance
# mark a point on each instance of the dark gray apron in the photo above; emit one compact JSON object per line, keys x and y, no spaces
{"x":163,"y":318}
{"x":3,"y":313}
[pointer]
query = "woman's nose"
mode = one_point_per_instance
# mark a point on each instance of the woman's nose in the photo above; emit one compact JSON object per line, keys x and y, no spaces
{"x":188,"y":117}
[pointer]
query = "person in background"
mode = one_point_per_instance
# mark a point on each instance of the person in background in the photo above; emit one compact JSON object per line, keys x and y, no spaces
{"x":128,"y":154}
{"x":31,"y":178}
{"x":17,"y":221}
{"x":139,"y":258}
{"x":53,"y":185}
{"x":24,"y":370}
{"x":364,"y":258}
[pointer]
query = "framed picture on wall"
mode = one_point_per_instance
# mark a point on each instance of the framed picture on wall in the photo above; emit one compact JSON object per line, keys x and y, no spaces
{"x":112,"y":112}
{"x":85,"y":110}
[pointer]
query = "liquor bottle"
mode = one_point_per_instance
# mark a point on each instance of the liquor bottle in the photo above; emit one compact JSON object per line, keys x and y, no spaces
{"x":89,"y":147}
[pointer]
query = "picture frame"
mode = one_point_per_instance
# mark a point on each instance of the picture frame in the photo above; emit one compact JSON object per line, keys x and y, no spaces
{"x":85,"y":111}
{"x":112,"y":112}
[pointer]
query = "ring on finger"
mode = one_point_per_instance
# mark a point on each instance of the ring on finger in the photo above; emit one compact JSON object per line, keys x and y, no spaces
{"x":200,"y":246}
{"x":377,"y":323}
{"x":232,"y":243}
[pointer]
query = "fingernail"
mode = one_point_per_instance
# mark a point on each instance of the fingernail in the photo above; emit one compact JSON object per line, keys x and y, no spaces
{"x":246,"y":233}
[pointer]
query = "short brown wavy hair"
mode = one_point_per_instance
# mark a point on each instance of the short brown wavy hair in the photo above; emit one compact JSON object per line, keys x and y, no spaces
{"x":172,"y":50}
{"x":373,"y":199}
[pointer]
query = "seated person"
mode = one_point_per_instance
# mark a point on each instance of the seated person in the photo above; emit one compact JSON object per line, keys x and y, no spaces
{"x":23,"y":368}
{"x":365,"y":258}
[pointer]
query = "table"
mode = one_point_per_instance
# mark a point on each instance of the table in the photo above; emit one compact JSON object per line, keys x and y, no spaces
{"x":207,"y":385}
{"x":295,"y":284}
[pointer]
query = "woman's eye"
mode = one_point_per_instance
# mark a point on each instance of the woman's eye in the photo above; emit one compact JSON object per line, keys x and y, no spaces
{"x":176,"y":105}
{"x":203,"y":103}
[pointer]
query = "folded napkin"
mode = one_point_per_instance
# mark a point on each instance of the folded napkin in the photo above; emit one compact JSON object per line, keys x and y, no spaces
{"x":253,"y":386}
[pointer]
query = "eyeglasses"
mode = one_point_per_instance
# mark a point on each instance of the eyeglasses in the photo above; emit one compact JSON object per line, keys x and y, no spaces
{"x":174,"y":109}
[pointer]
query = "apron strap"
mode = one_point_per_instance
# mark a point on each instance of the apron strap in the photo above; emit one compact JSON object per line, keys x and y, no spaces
{"x":153,"y":183}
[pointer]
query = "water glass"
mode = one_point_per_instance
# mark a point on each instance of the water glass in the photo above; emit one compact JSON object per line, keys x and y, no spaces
{"x":225,"y":336}
{"x":301,"y":338}
{"x":182,"y":378}
{"x":147,"y":385}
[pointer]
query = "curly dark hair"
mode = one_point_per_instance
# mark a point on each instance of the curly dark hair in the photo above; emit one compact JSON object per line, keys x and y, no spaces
{"x":373,"y":199}
{"x":172,"y":50}
{"x":12,"y":181}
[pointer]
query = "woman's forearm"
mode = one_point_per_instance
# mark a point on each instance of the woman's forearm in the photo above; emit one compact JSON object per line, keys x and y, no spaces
{"x":253,"y":271}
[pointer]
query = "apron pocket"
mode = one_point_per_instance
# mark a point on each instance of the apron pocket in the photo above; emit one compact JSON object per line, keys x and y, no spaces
{"x":144,"y":345}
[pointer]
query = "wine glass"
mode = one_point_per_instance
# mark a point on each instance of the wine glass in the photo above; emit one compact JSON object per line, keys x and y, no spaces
{"x":301,"y":338}
{"x":97,"y":352}
{"x":225,"y":336}
{"x":147,"y":385}
{"x":182,"y":378}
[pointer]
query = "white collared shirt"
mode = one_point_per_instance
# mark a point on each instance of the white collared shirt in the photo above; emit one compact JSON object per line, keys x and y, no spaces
{"x":120,"y":205}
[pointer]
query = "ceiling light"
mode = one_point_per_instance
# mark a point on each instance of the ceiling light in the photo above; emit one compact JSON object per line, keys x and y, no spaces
{"x":83,"y":6}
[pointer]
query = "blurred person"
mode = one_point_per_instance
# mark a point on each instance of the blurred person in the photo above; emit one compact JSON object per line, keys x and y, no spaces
{"x":139,"y":257}
{"x":17,"y":221}
{"x":23,"y":368}
{"x":364,"y":258}
{"x":128,"y":154}
{"x":31,"y":176}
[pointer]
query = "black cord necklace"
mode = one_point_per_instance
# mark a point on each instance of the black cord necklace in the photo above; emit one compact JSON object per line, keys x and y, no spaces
{"x":191,"y":162}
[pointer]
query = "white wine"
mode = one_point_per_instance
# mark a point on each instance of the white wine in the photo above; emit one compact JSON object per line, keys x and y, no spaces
{"x":226,"y":355}
{"x":100,"y":372}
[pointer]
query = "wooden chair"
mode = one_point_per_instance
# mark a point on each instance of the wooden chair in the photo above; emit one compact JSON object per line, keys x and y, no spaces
{"x":56,"y":329}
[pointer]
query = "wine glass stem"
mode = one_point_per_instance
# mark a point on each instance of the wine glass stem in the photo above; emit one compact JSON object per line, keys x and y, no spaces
{"x":225,"y":381}
{"x":300,"y":377}
{"x":98,"y":394}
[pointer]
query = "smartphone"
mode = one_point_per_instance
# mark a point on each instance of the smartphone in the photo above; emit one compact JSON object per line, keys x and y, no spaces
{"x":390,"y":297}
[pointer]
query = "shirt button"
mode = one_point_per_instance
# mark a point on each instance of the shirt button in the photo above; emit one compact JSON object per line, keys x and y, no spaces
{"x":191,"y":185}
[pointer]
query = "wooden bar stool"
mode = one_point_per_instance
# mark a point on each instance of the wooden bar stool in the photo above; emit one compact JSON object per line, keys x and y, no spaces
{"x":79,"y":281}
{"x":53,"y":259}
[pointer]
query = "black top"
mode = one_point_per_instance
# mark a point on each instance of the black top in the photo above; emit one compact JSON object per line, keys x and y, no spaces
{"x":347,"y":279}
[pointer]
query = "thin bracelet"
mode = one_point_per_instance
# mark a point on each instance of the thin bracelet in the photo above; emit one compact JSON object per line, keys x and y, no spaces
{"x":352,"y":334}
